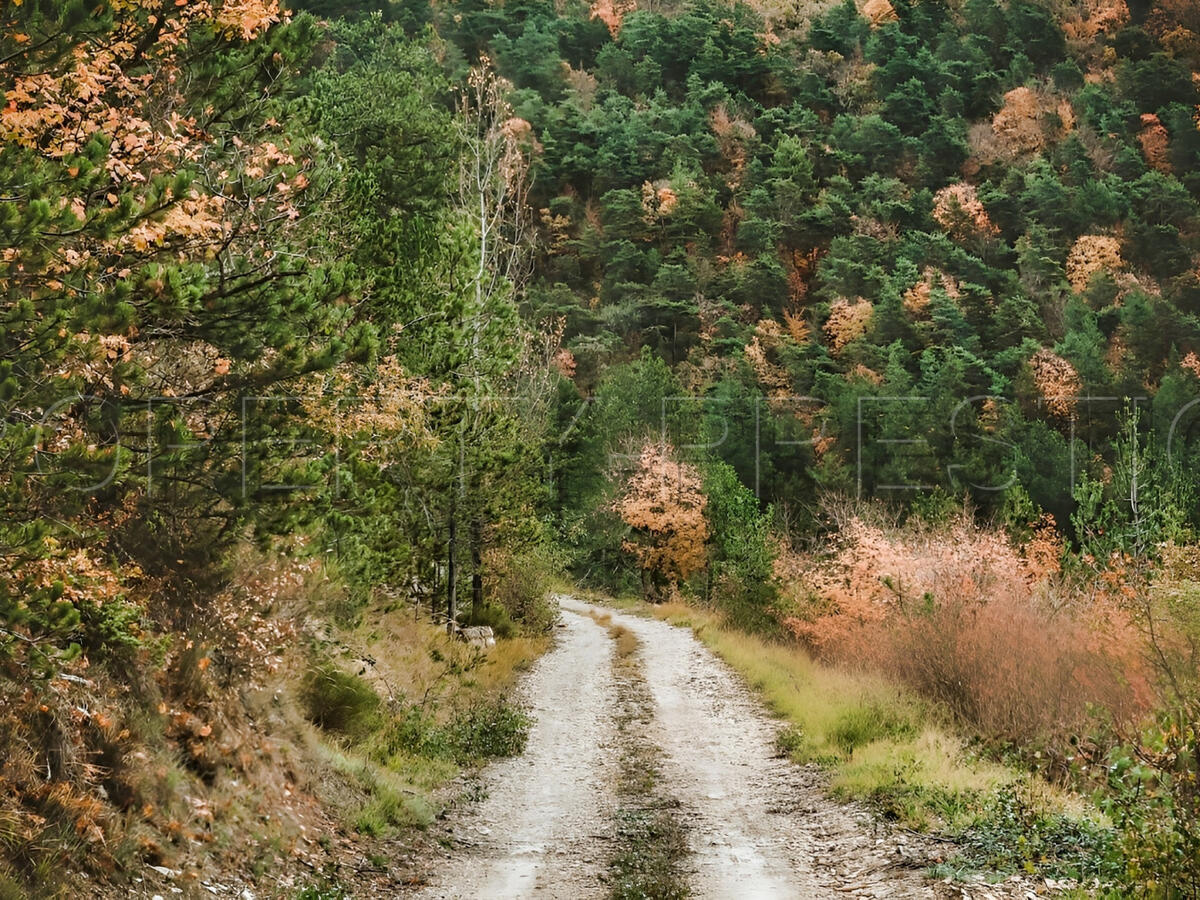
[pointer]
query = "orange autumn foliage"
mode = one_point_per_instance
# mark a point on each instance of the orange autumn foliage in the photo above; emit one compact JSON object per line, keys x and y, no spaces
{"x":1095,"y":17}
{"x":734,"y":135}
{"x":773,"y":377}
{"x":612,"y":13}
{"x":663,"y":504}
{"x":916,"y":298}
{"x":98,"y":92}
{"x":1057,"y":381}
{"x":1191,"y":363}
{"x":969,"y":619}
{"x":958,"y":210}
{"x":848,"y":321}
{"x":659,"y":200}
{"x":1155,"y":143}
{"x":564,"y":362}
{"x":1176,"y":25}
{"x":1090,"y":254}
{"x":879,"y":12}
{"x":797,"y":328}
{"x":1027,"y":121}
{"x":127,"y":95}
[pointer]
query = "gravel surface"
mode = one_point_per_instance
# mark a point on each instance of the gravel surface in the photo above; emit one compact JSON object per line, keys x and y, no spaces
{"x":757,"y":825}
{"x":544,"y":826}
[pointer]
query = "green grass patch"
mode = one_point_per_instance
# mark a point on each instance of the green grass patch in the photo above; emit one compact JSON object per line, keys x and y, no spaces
{"x":867,"y":723}
{"x":485,"y":730}
{"x":385,"y":799}
{"x":339,"y":701}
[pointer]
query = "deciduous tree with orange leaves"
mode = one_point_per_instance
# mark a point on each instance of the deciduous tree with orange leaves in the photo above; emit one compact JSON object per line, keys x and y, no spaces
{"x":663,"y":504}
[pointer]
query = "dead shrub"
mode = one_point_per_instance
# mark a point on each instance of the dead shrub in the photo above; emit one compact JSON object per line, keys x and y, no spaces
{"x":1014,"y":670}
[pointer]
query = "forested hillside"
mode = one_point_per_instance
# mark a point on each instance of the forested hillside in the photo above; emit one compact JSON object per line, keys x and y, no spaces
{"x":872,"y":329}
{"x":990,"y":209}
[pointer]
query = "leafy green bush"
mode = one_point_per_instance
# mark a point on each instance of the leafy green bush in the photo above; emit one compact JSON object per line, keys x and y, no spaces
{"x":1155,"y":802}
{"x":413,"y":731}
{"x":116,"y":628}
{"x":740,"y":578}
{"x":519,"y":583}
{"x":339,"y":701}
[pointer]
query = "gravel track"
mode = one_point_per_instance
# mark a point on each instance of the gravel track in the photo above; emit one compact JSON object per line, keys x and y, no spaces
{"x":758,"y":826}
{"x":544,"y":826}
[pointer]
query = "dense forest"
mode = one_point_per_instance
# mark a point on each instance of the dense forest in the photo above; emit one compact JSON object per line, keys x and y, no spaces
{"x":873,"y":330}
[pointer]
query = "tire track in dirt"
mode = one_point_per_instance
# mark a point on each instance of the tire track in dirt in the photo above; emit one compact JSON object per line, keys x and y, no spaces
{"x":758,"y":825}
{"x":543,"y":828}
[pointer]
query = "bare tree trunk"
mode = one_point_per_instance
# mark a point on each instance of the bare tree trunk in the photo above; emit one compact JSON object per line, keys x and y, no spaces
{"x":435,"y":583}
{"x":476,"y":568}
{"x":452,"y":574}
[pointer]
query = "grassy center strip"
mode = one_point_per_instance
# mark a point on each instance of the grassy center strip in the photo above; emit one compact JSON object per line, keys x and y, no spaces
{"x":651,"y":841}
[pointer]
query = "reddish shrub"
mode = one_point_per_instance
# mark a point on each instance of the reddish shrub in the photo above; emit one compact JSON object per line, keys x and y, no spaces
{"x":974,"y":623}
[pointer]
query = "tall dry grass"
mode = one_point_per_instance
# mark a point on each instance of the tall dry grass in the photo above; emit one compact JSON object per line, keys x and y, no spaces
{"x":992,"y":631}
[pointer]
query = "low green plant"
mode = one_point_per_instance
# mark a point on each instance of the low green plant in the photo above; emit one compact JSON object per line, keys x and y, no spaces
{"x":115,"y":629}
{"x":519,"y":584}
{"x":482,"y":731}
{"x":1012,"y":835}
{"x":489,"y":730}
{"x":328,"y":887}
{"x":647,"y":868}
{"x":339,"y":701}
{"x":1154,"y":799}
{"x":860,"y":725}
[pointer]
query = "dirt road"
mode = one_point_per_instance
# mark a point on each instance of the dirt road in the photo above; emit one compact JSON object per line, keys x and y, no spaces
{"x":757,"y":826}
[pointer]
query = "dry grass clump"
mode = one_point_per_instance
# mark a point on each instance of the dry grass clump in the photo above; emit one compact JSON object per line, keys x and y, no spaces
{"x":626,"y":642}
